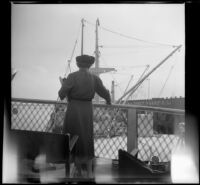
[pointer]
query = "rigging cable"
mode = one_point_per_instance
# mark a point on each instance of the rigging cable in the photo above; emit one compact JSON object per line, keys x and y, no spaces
{"x":127,"y":86}
{"x":128,"y":67}
{"x":131,"y":93}
{"x":130,"y":37}
{"x":166,"y":81}
{"x":134,"y":38}
{"x":128,"y":46}
{"x":112,"y":74}
{"x":69,"y":61}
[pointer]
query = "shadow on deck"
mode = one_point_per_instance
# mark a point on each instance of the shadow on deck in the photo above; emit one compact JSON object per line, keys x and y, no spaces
{"x":105,"y":171}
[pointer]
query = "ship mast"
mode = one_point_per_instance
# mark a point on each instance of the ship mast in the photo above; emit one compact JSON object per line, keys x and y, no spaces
{"x":98,"y":70}
{"x":97,"y":48}
{"x":97,"y":56}
{"x":113,"y":91}
{"x":82,"y":21}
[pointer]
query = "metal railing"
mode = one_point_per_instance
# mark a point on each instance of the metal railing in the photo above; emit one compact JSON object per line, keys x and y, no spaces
{"x":154,"y":131}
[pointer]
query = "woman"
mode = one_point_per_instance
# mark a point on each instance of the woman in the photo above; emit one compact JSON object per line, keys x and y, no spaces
{"x":80,"y":88}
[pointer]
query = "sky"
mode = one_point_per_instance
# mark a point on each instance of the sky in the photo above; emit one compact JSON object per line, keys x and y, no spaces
{"x":43,"y":37}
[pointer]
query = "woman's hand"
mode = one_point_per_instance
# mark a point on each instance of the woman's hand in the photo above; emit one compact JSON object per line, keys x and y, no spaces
{"x":108,"y":103}
{"x":62,"y":80}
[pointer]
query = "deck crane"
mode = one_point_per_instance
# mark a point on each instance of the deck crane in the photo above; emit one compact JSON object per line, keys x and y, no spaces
{"x":134,"y":88}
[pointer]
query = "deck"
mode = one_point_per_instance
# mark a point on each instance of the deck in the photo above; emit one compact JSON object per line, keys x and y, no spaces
{"x":106,"y":171}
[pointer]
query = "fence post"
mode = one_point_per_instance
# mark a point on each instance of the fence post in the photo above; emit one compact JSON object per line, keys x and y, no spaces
{"x":132,"y":130}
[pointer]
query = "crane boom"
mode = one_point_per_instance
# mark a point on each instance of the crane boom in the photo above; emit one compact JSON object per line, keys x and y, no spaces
{"x":140,"y":81}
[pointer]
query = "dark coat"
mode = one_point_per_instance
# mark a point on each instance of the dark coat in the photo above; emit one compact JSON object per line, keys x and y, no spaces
{"x":80,"y":88}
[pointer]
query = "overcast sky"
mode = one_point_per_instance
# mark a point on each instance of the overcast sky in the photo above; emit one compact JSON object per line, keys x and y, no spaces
{"x":43,"y":37}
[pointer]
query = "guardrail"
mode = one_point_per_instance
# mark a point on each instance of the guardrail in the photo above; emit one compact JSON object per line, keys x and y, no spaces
{"x":154,"y":131}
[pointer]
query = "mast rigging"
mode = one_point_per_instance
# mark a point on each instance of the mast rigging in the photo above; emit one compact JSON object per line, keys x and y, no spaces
{"x":166,"y":81}
{"x":147,"y":67}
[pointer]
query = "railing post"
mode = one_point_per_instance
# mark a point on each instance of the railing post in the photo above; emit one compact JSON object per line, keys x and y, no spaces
{"x":132,"y":130}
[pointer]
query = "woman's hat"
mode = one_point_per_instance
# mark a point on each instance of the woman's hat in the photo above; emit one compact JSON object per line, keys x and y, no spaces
{"x":85,"y":60}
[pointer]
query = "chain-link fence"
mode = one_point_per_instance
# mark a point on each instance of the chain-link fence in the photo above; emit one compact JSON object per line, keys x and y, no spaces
{"x":157,"y":133}
{"x":110,"y":130}
{"x":36,"y":115}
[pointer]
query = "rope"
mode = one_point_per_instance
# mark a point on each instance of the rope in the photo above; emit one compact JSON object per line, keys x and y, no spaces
{"x":127,"y":86}
{"x":136,"y":88}
{"x":72,"y":55}
{"x":125,"y":67}
{"x":112,"y":76}
{"x":69,"y":61}
{"x":130,"y":37}
{"x":129,"y":46}
{"x":166,"y":81}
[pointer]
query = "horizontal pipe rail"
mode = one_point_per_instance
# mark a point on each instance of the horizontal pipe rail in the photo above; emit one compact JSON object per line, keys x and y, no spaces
{"x":138,"y":107}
